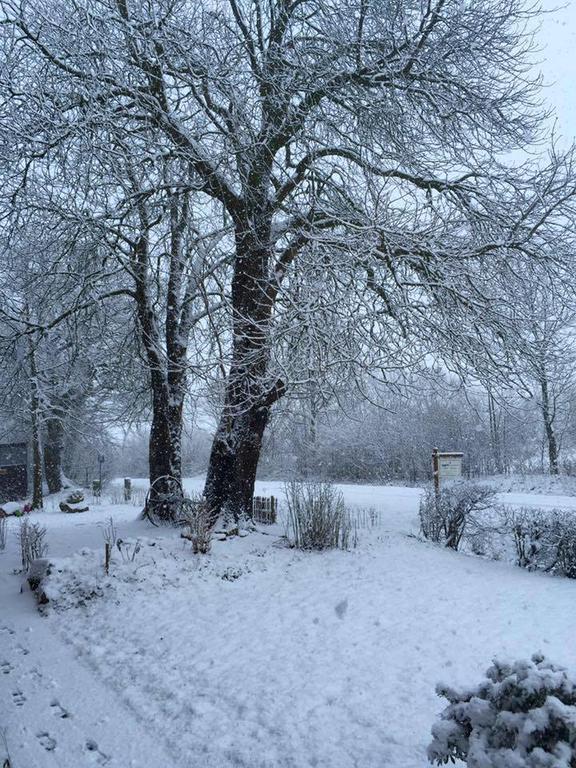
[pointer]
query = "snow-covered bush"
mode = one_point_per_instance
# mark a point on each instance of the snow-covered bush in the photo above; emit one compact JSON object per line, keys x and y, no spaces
{"x":544,"y":540}
{"x":522,"y":716}
{"x":32,"y":544}
{"x":317,"y":516}
{"x":448,"y":515}
{"x":566,"y":548}
{"x":531,"y":530}
{"x":77,"y":581}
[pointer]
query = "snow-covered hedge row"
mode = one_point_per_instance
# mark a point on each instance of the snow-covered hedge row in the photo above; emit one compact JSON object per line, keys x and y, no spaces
{"x":544,"y":540}
{"x":522,"y":716}
{"x":466,"y":515}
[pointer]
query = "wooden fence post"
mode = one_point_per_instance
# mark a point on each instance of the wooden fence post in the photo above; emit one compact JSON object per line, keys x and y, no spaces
{"x":436,"y":471}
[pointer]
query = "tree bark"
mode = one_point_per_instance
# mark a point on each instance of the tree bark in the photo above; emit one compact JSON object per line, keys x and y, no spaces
{"x":234,"y":462}
{"x":250,"y":392}
{"x":37,"y":496}
{"x":495,"y":441}
{"x":166,"y":359}
{"x":164,"y":453}
{"x":548,"y":417}
{"x":53,"y":451}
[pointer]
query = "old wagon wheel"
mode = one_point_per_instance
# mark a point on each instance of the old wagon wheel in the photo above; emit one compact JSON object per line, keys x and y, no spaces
{"x":164,"y":501}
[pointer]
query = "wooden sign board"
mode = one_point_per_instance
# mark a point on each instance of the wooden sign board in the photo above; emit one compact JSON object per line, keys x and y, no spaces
{"x":449,"y":466}
{"x":446,"y":466}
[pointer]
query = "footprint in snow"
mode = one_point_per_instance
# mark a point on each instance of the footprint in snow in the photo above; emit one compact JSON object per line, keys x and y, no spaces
{"x":58,"y":710}
{"x":18,"y":698}
{"x":341,"y":608}
{"x":6,"y":667}
{"x":46,"y":741}
{"x":36,"y":674}
{"x":23,"y":651}
{"x":7,"y":630}
{"x":99,"y":757}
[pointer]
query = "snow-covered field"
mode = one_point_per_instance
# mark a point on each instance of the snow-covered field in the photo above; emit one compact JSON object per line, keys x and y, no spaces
{"x":532,"y":483}
{"x":258,"y":655}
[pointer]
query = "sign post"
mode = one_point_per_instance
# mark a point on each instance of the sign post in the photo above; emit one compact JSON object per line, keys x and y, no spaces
{"x":445,"y":466}
{"x":101,"y":460}
{"x":435,"y":472}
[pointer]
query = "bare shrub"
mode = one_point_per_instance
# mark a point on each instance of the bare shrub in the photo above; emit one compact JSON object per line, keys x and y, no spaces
{"x":448,"y":515}
{"x":566,"y":548}
{"x":197,"y":518}
{"x":544,"y":539}
{"x":479,"y":543}
{"x":32,"y":544}
{"x":110,"y":539}
{"x":530,"y":529}
{"x":116,"y":496}
{"x":128,"y":549}
{"x":367,"y":518}
{"x":110,"y":533}
{"x":317,"y":517}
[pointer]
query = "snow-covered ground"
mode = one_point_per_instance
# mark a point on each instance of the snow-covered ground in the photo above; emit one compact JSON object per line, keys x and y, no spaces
{"x":532,"y":483}
{"x":258,"y":655}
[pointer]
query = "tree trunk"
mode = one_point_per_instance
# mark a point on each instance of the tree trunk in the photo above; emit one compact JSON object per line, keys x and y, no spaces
{"x":234,"y":462}
{"x":168,"y":383}
{"x":250,"y":392}
{"x":37,"y":497}
{"x":495,"y":441}
{"x":53,"y":450}
{"x":164,"y":454}
{"x":548,"y":416}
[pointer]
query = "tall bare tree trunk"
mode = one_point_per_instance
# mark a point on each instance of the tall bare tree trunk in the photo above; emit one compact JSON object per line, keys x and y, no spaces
{"x":164,"y":450}
{"x":53,"y":451}
{"x":548,"y":416}
{"x":37,"y":496}
{"x":495,"y":436}
{"x":166,"y":357}
{"x":234,"y":462}
{"x":250,"y":393}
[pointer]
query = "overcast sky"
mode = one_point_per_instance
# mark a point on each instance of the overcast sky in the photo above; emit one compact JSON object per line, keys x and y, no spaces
{"x":558,"y":43}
